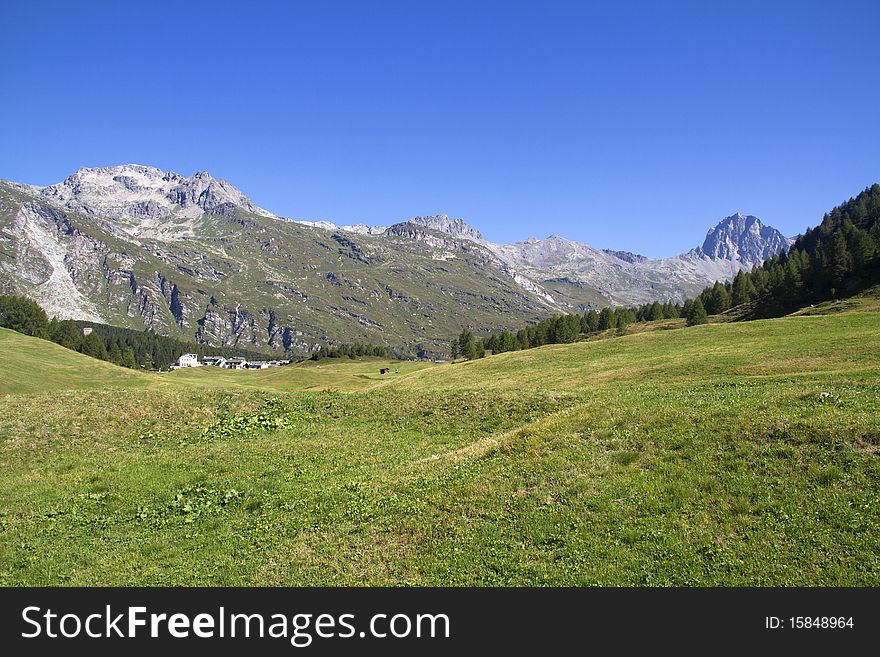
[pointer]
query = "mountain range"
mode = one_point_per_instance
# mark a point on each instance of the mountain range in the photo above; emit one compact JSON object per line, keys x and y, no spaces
{"x":194,"y":257}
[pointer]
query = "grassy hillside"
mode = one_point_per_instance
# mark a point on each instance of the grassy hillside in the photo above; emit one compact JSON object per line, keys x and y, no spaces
{"x":34,"y":366}
{"x":31,"y":365}
{"x":732,"y":453}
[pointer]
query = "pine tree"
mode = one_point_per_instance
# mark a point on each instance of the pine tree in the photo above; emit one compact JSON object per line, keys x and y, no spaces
{"x":861,"y":246}
{"x":93,"y":345}
{"x":697,"y":314}
{"x":23,"y":315}
{"x":793,"y":280}
{"x":606,"y":319}
{"x":718,"y":299}
{"x":687,"y":308}
{"x":467,"y":345}
{"x":506,"y":342}
{"x":128,"y":359}
{"x":115,"y":355}
{"x":67,"y":334}
{"x":592,"y":321}
{"x":742,"y":290}
{"x":840,"y":260}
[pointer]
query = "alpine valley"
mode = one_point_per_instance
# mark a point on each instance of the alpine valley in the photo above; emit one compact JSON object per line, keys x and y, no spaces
{"x":195,"y":258}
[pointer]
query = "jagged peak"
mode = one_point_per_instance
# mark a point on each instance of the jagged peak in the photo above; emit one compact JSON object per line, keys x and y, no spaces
{"x":743,"y":238}
{"x":136,"y":192}
{"x":454,"y":227}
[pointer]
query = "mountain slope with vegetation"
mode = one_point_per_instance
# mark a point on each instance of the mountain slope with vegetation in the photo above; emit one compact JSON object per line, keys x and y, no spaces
{"x":193,"y":258}
{"x":222,"y":274}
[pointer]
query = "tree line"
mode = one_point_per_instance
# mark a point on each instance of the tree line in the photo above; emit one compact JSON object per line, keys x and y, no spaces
{"x":354,"y":350}
{"x":838,"y":256}
{"x":569,"y":328}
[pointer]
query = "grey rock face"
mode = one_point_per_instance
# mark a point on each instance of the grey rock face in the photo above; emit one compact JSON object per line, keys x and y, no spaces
{"x":421,"y":233}
{"x":137,"y":192}
{"x":626,"y":256}
{"x":443,"y":224}
{"x":743,"y":238}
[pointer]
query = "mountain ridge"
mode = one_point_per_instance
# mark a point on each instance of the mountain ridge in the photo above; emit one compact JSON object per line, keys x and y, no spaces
{"x":194,"y":257}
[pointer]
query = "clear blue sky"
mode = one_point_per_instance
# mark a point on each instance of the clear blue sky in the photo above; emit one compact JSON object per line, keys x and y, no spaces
{"x":626,"y":125}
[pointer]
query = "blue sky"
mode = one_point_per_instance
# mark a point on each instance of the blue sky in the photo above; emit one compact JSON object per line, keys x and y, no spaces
{"x":626,"y":125}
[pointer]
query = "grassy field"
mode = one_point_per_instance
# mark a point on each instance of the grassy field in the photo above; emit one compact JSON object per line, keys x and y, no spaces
{"x":328,"y":374}
{"x":724,"y":454}
{"x":30,"y":366}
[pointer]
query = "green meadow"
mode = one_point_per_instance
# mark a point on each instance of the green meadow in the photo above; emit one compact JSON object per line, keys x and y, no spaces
{"x":741,"y":453}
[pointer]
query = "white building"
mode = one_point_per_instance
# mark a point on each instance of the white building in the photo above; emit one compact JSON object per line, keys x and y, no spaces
{"x":216,"y":361}
{"x":187,"y":360}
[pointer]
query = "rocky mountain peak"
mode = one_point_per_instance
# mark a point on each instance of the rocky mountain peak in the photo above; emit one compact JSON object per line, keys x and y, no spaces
{"x":136,"y":192}
{"x":454,"y":227}
{"x":742,"y":238}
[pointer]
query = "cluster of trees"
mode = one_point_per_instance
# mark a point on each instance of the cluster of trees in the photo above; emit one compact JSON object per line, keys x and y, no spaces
{"x":353,"y":350}
{"x":125,"y":347}
{"x":23,"y":315}
{"x":562,"y":329}
{"x":840,"y":254}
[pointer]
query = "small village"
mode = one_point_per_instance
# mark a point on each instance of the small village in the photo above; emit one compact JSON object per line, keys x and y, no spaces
{"x":192,"y":360}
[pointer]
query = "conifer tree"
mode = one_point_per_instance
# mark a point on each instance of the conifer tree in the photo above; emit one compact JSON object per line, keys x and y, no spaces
{"x":840,"y":260}
{"x":606,"y":319}
{"x":23,"y":315}
{"x":697,"y":314}
{"x":67,"y":334}
{"x":742,"y":289}
{"x":93,"y":345}
{"x":718,"y":299}
{"x":115,"y":355}
{"x":128,"y":359}
{"x":687,"y":308}
{"x":793,"y":279}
